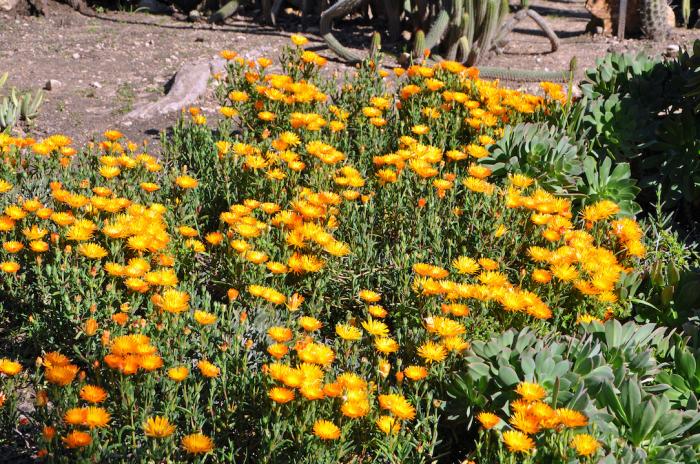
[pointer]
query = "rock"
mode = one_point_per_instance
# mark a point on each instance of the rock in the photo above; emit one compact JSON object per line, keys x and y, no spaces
{"x":76,"y":56}
{"x":155,"y":7}
{"x":194,"y":15}
{"x":189,"y":84}
{"x":7,"y":5}
{"x":52,"y":84}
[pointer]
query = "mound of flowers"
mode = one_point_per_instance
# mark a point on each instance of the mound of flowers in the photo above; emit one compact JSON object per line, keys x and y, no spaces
{"x":298,"y":282}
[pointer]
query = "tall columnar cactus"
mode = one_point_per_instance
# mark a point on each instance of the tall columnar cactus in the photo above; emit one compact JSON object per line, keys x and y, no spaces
{"x":462,"y":30}
{"x":652,"y":14}
{"x":465,"y":29}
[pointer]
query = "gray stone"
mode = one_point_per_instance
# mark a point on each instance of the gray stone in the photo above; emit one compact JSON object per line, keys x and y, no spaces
{"x":189,"y":84}
{"x":7,"y":5}
{"x":194,"y":15}
{"x":52,"y":84}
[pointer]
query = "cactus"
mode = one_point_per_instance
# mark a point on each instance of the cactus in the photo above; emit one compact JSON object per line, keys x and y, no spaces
{"x":9,"y":114}
{"x":376,"y":46}
{"x":339,"y":10}
{"x":419,"y":44}
{"x":437,"y":29}
{"x":529,"y":75}
{"x":652,"y":14}
{"x":462,"y":30}
{"x":18,"y":106}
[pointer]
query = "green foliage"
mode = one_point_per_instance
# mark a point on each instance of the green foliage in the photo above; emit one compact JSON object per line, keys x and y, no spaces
{"x":602,"y":182}
{"x":669,"y":293}
{"x":540,"y":151}
{"x":644,"y":111}
{"x":559,"y":164}
{"x":610,"y":371}
{"x":17,"y":106}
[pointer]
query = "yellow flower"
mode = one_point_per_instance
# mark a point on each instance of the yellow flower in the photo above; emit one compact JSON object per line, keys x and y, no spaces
{"x":420,"y":129}
{"x":228,"y":55}
{"x":525,"y":423}
{"x":488,"y":420}
{"x":197,"y":443}
{"x":465,"y":265}
{"x":386,"y":345}
{"x":93,"y":394}
{"x":280,"y":334}
{"x":9,"y":368}
{"x":326,"y":430}
{"x":517,"y":442}
{"x":113,"y":135}
{"x":158,"y":427}
{"x":5,"y":186}
{"x":432,"y":352}
{"x":92,"y":250}
{"x":172,"y":301}
{"x":186,"y":182}
{"x":571,"y":418}
{"x":584,"y":444}
{"x":77,"y":439}
{"x":281,"y":395}
{"x":398,"y":405}
{"x":415,"y":372}
{"x":208,"y":369}
{"x":96,"y":417}
{"x":310,"y":324}
{"x":204,"y":317}
{"x":388,"y":425}
{"x":530,"y":391}
{"x":178,"y":374}
{"x":369,"y":296}
{"x":374,"y":327}
{"x":348,"y":332}
{"x":298,"y":40}
{"x":9,"y":267}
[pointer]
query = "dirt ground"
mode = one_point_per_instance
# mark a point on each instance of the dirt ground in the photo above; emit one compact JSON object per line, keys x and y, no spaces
{"x":109,"y":62}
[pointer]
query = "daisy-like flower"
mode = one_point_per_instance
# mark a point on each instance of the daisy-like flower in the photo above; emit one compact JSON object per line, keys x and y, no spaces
{"x":197,"y":443}
{"x":9,"y":367}
{"x":518,"y":442}
{"x":388,"y":425}
{"x":92,"y":250}
{"x":93,"y":394}
{"x":178,"y":374}
{"x":158,"y":427}
{"x":416,"y":372}
{"x":376,"y":328}
{"x":77,"y":439}
{"x":488,"y":420}
{"x":584,"y":444}
{"x":326,"y":430}
{"x":348,"y":332}
{"x":281,"y":395}
{"x":530,"y":391}
{"x":432,"y":352}
{"x":186,"y":182}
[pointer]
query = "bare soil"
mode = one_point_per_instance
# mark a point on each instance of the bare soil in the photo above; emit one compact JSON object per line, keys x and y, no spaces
{"x":109,"y":62}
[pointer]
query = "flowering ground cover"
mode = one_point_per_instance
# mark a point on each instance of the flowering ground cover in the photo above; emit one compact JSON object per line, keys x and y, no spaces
{"x":329,"y":274}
